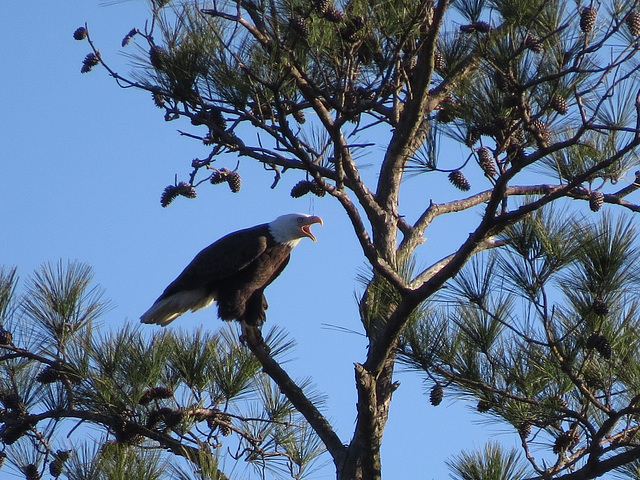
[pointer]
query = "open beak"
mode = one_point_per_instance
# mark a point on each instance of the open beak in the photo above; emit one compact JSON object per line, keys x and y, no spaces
{"x":306,"y":228}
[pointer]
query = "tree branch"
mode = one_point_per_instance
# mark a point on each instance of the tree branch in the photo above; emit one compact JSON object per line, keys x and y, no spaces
{"x":253,"y":339}
{"x":406,"y":135}
{"x":597,"y":469}
{"x":434,"y":210}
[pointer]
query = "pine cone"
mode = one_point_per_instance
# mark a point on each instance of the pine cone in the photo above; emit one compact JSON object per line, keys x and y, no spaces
{"x":334,"y":15}
{"x":12,"y":401}
{"x":541,"y":132}
{"x":482,"y":27}
{"x":63,"y":455}
{"x":596,"y":199}
{"x":127,"y":432}
{"x":316,"y":189}
{"x":321,"y":6}
{"x":158,"y":99}
{"x":467,"y":28}
{"x":435,"y":397}
{"x":446,"y":112}
{"x":601,"y":344}
{"x":155,"y":393}
{"x":559,"y":104}
{"x":300,"y":26}
{"x":588,"y":18}
{"x":486,"y":162}
{"x":221,"y":420}
{"x":519,"y":136}
{"x":351,"y":31}
{"x":234,"y":181}
{"x":301,"y":188}
{"x":564,"y":442}
{"x":357,"y":22}
{"x":90,"y":61}
{"x":458,"y":180}
{"x":157,"y":57}
{"x":533,"y":43}
{"x":599,"y":307}
{"x":173,"y":418}
{"x":592,"y":340}
{"x":633,"y":22}
{"x":214,"y":115}
{"x":168,"y":195}
{"x":80,"y":33}
{"x":476,"y":27}
{"x":5,"y":337}
{"x":561,"y":402}
{"x":186,"y":190}
{"x":155,"y":416}
{"x":172,"y":191}
{"x":10,"y":434}
{"x":604,"y":348}
{"x":473,"y":135}
{"x":49,"y":375}
{"x":299,"y":116}
{"x":219,"y":176}
{"x":56,"y":466}
{"x":199,"y":118}
{"x":524,"y":429}
{"x":31,"y":472}
{"x":132,"y":33}
{"x":224,"y":424}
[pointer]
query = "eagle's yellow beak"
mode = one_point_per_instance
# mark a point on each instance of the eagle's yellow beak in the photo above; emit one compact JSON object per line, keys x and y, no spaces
{"x":306,"y":226}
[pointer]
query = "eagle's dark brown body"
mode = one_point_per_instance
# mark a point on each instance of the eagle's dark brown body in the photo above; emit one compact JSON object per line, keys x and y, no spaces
{"x":234,"y":271}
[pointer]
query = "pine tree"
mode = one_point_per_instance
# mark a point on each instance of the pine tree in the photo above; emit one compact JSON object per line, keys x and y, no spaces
{"x":185,"y":367}
{"x":402,"y":82}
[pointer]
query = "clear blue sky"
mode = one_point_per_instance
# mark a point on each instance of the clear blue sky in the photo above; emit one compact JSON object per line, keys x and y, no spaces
{"x":82,"y":166}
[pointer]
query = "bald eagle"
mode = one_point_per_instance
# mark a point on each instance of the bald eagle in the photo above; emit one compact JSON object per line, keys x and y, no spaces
{"x":234,"y":271}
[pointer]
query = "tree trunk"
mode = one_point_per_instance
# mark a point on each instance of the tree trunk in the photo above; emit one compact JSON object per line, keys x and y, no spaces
{"x":362,"y":461}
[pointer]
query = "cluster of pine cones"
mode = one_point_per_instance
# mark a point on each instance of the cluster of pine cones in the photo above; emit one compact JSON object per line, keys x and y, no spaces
{"x":567,"y":440}
{"x":216,"y":419}
{"x":324,"y":9}
{"x":589,"y":15}
{"x":601,"y":345}
{"x":538,"y":129}
{"x":225,"y":175}
{"x":306,"y":186}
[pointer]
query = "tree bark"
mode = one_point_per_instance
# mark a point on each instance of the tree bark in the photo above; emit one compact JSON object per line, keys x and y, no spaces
{"x":363,"y":461}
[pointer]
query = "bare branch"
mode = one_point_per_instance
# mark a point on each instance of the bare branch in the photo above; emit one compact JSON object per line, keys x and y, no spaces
{"x":253,"y":339}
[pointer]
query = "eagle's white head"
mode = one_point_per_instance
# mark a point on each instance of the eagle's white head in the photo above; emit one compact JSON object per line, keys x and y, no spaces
{"x":292,"y":227}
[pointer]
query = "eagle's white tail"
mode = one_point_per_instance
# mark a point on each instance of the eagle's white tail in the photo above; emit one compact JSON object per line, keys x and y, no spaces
{"x":166,"y":310}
